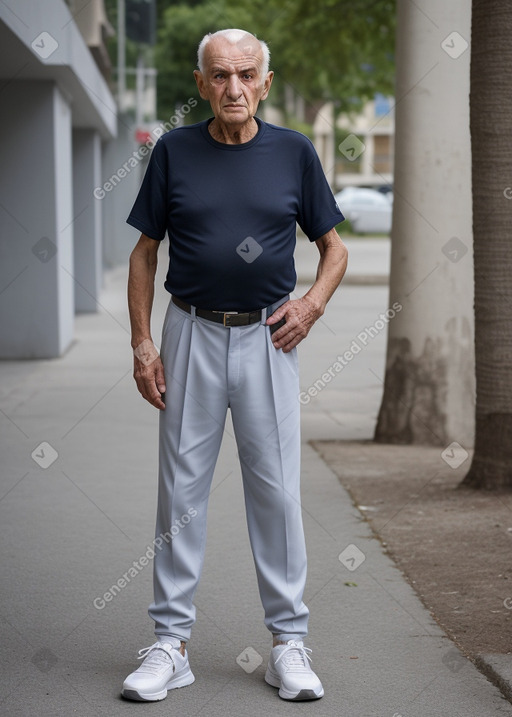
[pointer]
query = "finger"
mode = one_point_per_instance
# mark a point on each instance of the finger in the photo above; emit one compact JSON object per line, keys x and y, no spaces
{"x":155,"y":398}
{"x":285,"y":341}
{"x":285,"y":333}
{"x":144,"y":389}
{"x":294,"y":337}
{"x":149,"y":391}
{"x":160,"y":377}
{"x":157,"y":402}
{"x":292,"y":344}
{"x":278,"y":313}
{"x":278,"y":337}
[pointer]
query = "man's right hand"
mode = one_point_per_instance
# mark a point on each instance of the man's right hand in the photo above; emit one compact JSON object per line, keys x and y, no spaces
{"x":148,"y":372}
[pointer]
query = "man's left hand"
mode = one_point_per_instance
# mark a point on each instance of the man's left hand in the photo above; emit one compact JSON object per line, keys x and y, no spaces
{"x":300,"y":315}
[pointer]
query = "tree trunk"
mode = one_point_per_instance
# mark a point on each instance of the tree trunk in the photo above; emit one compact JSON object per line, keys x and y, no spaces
{"x":429,"y":379}
{"x":491,"y":137}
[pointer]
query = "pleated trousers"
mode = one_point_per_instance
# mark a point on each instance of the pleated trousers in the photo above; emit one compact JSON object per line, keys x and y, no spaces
{"x":208,"y":369}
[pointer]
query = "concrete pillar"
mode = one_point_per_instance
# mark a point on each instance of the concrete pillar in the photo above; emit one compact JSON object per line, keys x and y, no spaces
{"x":36,"y":221}
{"x":87,"y":226}
{"x":121,"y":175}
{"x":429,"y":388}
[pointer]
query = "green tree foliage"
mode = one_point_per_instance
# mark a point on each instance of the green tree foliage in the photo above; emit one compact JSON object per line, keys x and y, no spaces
{"x":339,"y":50}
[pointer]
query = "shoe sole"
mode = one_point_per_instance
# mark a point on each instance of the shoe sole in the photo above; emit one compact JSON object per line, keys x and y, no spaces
{"x":137,"y":696}
{"x":301,"y":696}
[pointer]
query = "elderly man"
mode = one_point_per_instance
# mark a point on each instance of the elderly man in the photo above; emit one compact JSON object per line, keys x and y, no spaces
{"x":229,"y":191}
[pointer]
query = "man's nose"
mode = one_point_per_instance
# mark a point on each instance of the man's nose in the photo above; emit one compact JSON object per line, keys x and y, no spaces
{"x":234,"y":88}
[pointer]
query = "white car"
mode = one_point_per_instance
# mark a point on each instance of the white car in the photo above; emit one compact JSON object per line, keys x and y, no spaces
{"x":367,"y":210}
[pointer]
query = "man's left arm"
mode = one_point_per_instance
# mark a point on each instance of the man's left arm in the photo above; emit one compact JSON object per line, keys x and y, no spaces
{"x":301,"y":314}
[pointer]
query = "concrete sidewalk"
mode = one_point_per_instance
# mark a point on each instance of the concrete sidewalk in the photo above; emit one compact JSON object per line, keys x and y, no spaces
{"x":77,"y":511}
{"x":369,"y":260}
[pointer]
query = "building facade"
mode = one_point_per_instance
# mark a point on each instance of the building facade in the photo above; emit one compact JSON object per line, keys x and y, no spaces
{"x":59,"y":125}
{"x":365,"y":154}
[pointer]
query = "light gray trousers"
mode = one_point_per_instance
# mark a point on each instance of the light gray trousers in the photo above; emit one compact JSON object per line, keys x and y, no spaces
{"x":209,"y":368}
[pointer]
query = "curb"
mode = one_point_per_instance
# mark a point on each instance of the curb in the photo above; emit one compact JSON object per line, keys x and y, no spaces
{"x":498,"y":669}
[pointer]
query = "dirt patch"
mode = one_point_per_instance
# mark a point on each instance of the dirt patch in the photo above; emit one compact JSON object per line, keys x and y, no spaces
{"x":453,"y":544}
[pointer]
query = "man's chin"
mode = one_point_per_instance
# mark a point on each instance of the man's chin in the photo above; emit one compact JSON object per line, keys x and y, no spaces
{"x":235,"y":115}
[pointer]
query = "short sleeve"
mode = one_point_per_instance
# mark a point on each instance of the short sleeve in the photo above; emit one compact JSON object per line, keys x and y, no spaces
{"x":149,"y":213}
{"x":318,"y":211}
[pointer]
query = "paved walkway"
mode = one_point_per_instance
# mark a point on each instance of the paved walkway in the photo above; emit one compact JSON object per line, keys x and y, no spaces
{"x":77,"y":509}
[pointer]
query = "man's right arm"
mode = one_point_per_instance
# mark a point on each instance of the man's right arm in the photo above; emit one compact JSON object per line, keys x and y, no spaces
{"x":148,"y":370}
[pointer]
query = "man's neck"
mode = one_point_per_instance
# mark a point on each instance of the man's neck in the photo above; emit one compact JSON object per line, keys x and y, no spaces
{"x":236,"y":134}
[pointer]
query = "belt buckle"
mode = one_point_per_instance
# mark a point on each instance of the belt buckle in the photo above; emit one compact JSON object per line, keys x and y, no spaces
{"x":227,"y":315}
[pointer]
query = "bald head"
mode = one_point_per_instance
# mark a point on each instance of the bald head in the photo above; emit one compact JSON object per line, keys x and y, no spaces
{"x":233,"y":77}
{"x":247,"y":43}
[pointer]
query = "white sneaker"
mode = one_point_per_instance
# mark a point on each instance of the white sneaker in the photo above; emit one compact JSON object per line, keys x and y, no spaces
{"x":164,"y":669}
{"x":289,"y":669}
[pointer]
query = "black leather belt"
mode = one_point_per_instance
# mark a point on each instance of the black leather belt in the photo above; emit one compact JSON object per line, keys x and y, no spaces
{"x":226,"y":318}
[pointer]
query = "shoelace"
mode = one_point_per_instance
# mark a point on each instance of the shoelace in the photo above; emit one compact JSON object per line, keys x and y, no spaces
{"x":296,"y":656}
{"x":154,"y":659}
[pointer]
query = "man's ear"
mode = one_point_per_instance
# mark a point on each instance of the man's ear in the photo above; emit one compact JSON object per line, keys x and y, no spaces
{"x":266,"y":85}
{"x":201,"y":84}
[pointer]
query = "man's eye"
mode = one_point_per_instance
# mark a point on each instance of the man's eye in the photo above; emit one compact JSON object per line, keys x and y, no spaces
{"x":247,"y":76}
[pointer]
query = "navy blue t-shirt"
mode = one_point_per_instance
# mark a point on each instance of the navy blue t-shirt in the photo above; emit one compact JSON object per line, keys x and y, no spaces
{"x":230,"y":211}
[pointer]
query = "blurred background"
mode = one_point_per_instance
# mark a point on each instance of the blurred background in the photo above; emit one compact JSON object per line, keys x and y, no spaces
{"x":88,"y":87}
{"x":408,"y":104}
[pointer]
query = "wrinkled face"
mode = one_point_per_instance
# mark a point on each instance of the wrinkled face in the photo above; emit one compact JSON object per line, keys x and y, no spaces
{"x":231,"y":79}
